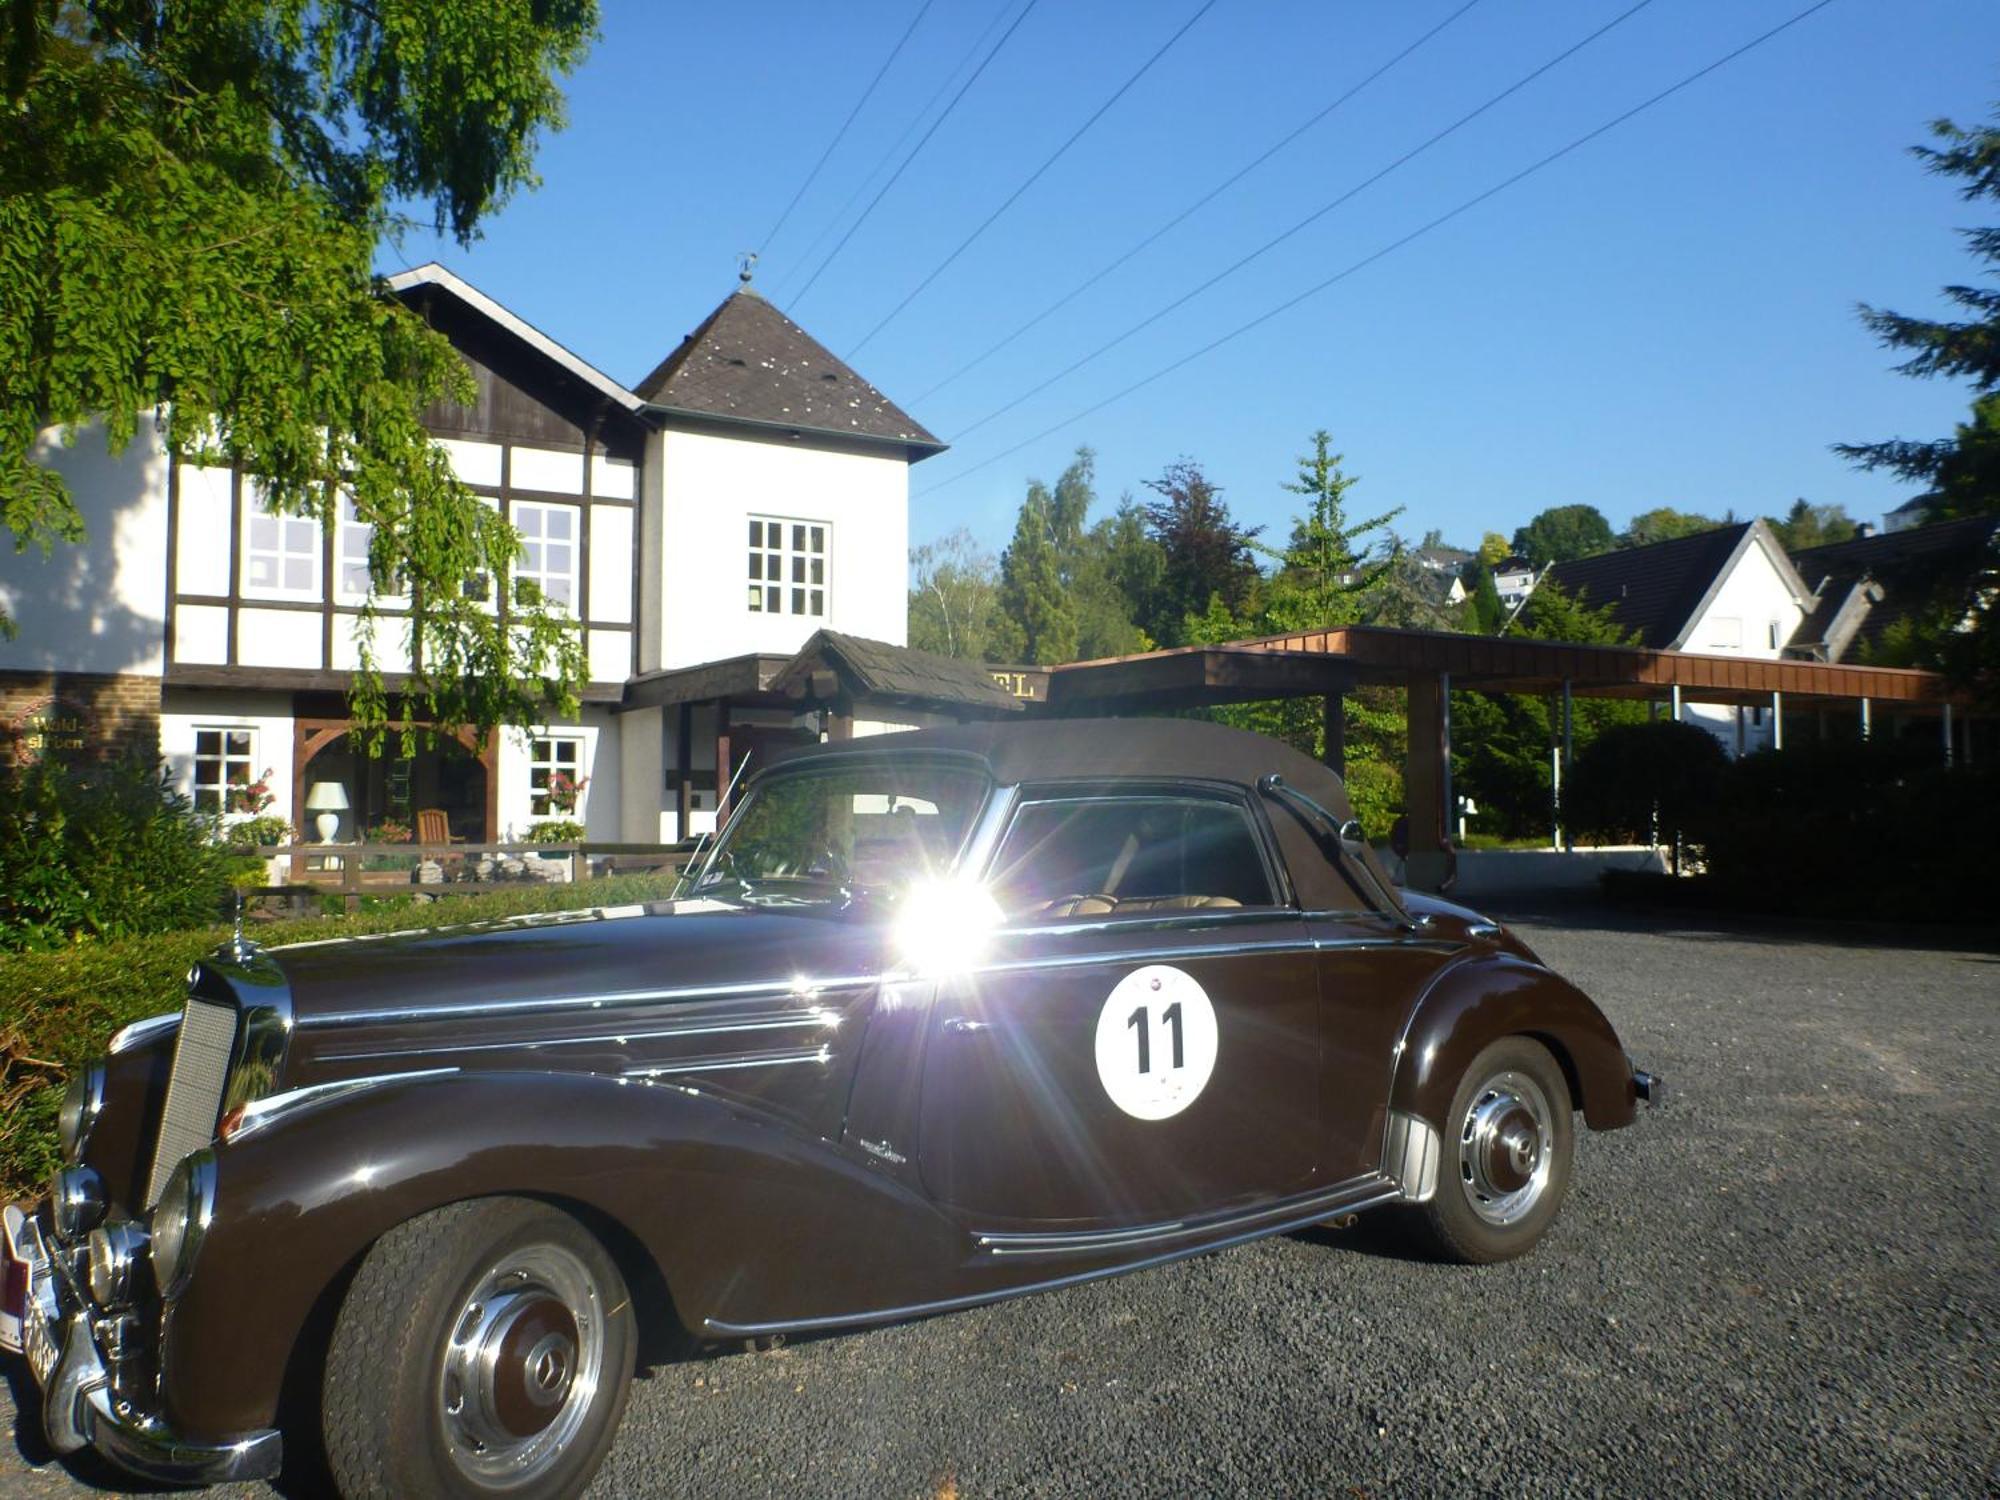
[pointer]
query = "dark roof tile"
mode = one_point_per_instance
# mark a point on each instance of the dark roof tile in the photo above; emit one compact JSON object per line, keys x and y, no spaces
{"x":751,"y":363}
{"x":1655,"y":589}
{"x":880,"y":670}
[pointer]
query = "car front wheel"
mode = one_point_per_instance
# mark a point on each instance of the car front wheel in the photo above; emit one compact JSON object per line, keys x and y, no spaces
{"x":1508,"y":1142}
{"x":484,"y":1348}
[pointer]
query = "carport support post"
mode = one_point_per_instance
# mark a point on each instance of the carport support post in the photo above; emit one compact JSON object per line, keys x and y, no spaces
{"x":1777,"y":721}
{"x":1333,"y":722}
{"x":1867,"y":717}
{"x":1425,"y":780}
{"x":1569,"y":748}
{"x":1947,"y":736}
{"x":1677,"y":703}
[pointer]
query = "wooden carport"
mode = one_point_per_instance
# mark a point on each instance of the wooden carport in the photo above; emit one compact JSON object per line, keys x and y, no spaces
{"x":1429,"y":664}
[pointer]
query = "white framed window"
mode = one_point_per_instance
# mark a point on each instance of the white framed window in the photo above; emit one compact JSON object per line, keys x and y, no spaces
{"x":549,"y":543}
{"x":281,"y":554}
{"x":352,"y":537}
{"x":224,"y":760}
{"x":556,"y":783}
{"x":788,"y":566}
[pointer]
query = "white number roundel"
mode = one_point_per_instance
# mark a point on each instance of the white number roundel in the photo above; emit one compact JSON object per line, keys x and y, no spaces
{"x":1155,"y":1042}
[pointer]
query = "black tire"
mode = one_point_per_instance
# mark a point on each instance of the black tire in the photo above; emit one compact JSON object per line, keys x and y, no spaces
{"x":1479,"y":1214}
{"x":503,"y":1274}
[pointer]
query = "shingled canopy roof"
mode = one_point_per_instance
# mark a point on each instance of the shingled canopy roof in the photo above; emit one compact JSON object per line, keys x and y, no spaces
{"x":877,"y":671}
{"x":750,"y":363}
{"x":1658,"y":590}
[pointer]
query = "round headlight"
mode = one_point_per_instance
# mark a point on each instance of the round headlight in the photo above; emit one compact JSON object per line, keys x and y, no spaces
{"x":180,"y":1220}
{"x":81,"y":1106}
{"x":110,"y":1256}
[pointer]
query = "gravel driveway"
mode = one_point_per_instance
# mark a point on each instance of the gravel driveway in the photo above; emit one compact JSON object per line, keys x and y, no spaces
{"x":1785,"y":1282}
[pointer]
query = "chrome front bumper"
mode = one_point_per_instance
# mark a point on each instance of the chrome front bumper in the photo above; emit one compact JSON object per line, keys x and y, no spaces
{"x":79,"y":1409}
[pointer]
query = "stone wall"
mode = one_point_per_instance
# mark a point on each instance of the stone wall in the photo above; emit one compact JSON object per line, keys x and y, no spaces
{"x":77,"y":716}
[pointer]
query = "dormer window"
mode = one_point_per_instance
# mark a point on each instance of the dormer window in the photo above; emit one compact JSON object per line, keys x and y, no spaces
{"x":787,"y":567}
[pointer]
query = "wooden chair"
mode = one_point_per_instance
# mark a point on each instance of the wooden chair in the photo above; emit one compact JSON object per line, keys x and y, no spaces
{"x":433,"y":827}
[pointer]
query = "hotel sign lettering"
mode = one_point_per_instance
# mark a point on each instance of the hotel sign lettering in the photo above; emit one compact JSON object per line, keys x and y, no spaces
{"x":49,"y":727}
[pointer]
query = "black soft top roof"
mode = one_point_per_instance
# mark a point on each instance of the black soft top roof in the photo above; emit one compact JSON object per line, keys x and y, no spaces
{"x":1140,"y":749}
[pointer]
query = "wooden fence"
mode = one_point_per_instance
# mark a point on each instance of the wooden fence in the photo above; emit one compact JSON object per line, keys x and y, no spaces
{"x":356,"y":870}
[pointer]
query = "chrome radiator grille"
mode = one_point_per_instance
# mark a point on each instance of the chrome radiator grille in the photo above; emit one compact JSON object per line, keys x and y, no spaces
{"x":194,"y":1088}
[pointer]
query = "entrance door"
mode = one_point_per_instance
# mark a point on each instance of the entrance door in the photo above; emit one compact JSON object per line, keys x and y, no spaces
{"x":1143,"y":1041}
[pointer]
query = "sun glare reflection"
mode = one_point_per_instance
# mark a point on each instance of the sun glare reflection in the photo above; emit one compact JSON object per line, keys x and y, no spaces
{"x":943,"y":925}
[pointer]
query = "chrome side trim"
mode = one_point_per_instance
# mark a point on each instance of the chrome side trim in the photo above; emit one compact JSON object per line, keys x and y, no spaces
{"x":1361,"y":1193}
{"x":607,"y":999}
{"x":772,"y":1059}
{"x":1410,"y":1153}
{"x":1483,"y":929}
{"x":128,"y":1037}
{"x":790,"y":1020}
{"x":261,"y":1112}
{"x":1325,"y":1201}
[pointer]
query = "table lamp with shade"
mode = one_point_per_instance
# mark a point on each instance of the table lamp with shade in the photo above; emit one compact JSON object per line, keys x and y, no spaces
{"x":329,"y":800}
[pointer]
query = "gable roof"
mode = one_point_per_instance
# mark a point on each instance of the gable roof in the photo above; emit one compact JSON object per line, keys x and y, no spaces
{"x":1660,"y":590}
{"x":876,"y":669}
{"x":431,"y":274}
{"x":1908,"y":565}
{"x":748,"y":362}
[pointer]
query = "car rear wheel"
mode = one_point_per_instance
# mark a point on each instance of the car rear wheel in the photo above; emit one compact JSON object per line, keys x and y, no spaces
{"x":1508,"y":1143}
{"x":484,"y":1349}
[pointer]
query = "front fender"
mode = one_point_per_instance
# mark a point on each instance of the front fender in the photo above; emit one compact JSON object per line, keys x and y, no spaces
{"x":1475,"y":1003}
{"x":748,"y":1220}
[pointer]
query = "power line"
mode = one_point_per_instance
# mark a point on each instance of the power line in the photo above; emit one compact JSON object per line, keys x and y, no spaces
{"x":1394,"y":245}
{"x":1034,"y":176}
{"x":1193,"y":208}
{"x":915,"y":151}
{"x":841,"y":134}
{"x":1312,"y":218}
{"x":868,"y":177}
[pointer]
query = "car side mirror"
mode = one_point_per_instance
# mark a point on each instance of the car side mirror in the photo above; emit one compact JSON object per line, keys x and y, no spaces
{"x":1353,"y":842}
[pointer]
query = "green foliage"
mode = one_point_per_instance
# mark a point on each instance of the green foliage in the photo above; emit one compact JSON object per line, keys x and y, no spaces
{"x":59,"y":1009}
{"x":1069,"y":590}
{"x":1958,"y":629}
{"x":1808,"y":525}
{"x":954,"y":598}
{"x":1494,"y":549}
{"x":556,"y":831}
{"x":1664,"y":524}
{"x":1564,"y":533}
{"x":1327,"y":562}
{"x":1206,"y":554}
{"x":1636,"y":783}
{"x":1033,"y":595}
{"x":267,"y":831}
{"x":1487,"y":615}
{"x":1552,"y":614}
{"x":190,"y":200}
{"x":103,"y":851}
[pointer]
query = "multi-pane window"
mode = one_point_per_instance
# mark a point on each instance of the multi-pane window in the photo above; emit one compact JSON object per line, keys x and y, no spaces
{"x":352,"y":537}
{"x":787,"y":567}
{"x":280,"y":554}
{"x":548,"y":549}
{"x":222,"y":760}
{"x":555,"y":787}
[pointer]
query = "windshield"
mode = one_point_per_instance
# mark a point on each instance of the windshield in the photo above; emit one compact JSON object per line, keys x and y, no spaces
{"x":831,"y":834}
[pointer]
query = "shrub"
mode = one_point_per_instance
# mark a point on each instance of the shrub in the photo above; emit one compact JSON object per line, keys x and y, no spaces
{"x":391,"y":831}
{"x":59,"y":1009}
{"x":556,"y":831}
{"x":1634,"y":774}
{"x":266,"y":831}
{"x":106,"y":850}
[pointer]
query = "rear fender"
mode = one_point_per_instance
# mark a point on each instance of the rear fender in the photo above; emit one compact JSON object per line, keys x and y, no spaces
{"x":746,"y":1220}
{"x":1475,"y":1003}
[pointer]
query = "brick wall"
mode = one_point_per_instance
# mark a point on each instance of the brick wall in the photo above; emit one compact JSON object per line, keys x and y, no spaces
{"x":78,"y":716}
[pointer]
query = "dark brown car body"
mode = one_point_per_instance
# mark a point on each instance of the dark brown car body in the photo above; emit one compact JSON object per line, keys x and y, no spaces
{"x":776,"y":1125}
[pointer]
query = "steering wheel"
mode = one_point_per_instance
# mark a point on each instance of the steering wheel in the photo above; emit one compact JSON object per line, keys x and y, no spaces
{"x":827,"y":864}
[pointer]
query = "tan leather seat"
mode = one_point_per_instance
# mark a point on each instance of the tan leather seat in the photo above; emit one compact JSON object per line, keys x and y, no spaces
{"x":1175,"y":903}
{"x":1101,"y":906}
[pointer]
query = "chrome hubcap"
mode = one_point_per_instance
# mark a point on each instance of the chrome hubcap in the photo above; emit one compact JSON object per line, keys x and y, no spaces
{"x":521,"y":1367}
{"x":1505,"y":1147}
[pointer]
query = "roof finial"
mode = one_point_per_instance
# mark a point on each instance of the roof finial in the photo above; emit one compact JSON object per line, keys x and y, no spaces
{"x":747,"y":265}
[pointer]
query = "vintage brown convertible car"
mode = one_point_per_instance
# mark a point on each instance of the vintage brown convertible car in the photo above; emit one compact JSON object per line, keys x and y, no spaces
{"x":946,"y":1017}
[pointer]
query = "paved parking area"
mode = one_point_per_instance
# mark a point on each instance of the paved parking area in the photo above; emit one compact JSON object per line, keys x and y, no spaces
{"x":1785,"y":1282}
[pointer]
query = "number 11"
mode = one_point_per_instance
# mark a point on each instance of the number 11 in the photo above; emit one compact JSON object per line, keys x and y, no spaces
{"x":1138,"y":1021}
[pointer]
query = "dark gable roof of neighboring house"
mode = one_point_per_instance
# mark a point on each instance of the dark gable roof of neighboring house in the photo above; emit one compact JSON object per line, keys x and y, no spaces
{"x":1904,"y":566}
{"x":748,"y":362}
{"x":1659,"y":589}
{"x":878,"y":670}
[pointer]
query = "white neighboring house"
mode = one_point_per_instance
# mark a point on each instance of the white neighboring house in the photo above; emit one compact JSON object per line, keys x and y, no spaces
{"x":1513,"y":581}
{"x":748,"y":494}
{"x":1731,"y":591}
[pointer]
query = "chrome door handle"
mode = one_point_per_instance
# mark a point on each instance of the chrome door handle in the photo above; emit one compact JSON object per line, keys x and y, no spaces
{"x":963,"y":1025}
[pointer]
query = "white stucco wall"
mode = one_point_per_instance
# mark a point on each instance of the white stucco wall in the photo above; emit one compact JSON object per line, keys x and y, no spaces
{"x":701,"y":491}
{"x":1754,"y":601}
{"x":599,"y":806}
{"x":269,"y":715}
{"x":99,"y":605}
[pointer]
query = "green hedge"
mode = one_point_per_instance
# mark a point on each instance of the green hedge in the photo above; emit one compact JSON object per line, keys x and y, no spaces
{"x":59,"y":1009}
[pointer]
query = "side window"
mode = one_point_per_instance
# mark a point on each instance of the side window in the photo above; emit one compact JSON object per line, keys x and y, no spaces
{"x":1106,"y":856}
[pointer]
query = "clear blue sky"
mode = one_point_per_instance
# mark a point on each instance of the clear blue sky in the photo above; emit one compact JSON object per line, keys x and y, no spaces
{"x":1666,"y":316}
